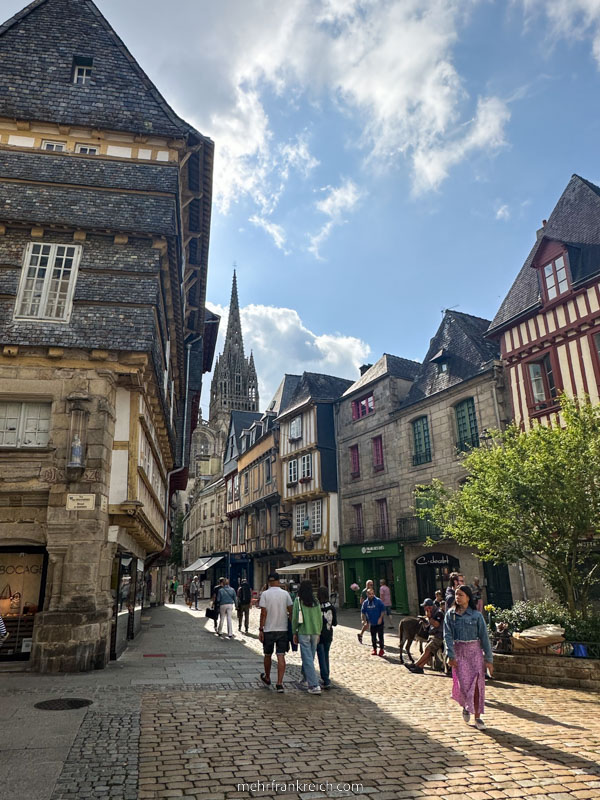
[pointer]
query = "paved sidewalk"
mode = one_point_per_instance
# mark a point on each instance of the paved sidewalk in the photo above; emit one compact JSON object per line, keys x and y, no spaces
{"x":183,"y":714}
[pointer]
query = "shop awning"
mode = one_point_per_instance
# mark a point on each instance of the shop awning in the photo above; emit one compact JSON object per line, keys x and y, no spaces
{"x":211,"y":562}
{"x":302,"y":566}
{"x":198,"y":565}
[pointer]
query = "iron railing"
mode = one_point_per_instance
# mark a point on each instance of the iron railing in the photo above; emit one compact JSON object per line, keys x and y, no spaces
{"x":381,"y":530}
{"x":467,"y":442}
{"x":357,"y":534}
{"x":414,"y":529}
{"x":421,"y":458}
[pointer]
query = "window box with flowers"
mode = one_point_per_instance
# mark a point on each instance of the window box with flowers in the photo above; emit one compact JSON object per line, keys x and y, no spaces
{"x":305,"y":480}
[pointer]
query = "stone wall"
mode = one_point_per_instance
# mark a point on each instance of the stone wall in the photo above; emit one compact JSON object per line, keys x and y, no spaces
{"x":566,"y":673}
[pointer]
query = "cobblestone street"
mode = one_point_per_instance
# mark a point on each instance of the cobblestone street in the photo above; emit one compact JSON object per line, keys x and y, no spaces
{"x":183,"y":714}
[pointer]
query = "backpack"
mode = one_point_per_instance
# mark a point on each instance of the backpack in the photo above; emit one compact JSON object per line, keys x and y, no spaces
{"x":245,"y":594}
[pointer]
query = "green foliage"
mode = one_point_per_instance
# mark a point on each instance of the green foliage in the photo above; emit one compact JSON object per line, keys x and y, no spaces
{"x":533,"y":496}
{"x":176,"y":557}
{"x":527,"y":614}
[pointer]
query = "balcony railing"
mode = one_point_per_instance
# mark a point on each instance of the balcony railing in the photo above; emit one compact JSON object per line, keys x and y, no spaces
{"x":357,"y":534}
{"x":467,"y":443}
{"x":421,"y":458}
{"x":381,"y":530}
{"x":413,"y":529}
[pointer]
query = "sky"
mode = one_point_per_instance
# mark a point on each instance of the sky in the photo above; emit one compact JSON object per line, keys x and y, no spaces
{"x":376,"y":161}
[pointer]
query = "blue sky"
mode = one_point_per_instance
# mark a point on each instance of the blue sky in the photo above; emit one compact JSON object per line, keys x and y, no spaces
{"x":377,"y":160}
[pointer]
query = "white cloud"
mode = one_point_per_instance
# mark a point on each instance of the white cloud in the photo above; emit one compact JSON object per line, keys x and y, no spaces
{"x":276,"y":232}
{"x":570,"y":19}
{"x":337,"y":202}
{"x":282,"y":344}
{"x":503,"y":212}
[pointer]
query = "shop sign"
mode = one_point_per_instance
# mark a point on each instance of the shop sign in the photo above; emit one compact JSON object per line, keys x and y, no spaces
{"x":387,"y":550}
{"x":432,"y":559}
{"x":81,"y":502}
{"x":373,"y":549}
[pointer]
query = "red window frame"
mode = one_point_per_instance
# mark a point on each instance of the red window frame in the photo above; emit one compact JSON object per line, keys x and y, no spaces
{"x":354,"y":461}
{"x":377,"y":443}
{"x":553,"y":280}
{"x":550,"y":402}
{"x":363,"y":406}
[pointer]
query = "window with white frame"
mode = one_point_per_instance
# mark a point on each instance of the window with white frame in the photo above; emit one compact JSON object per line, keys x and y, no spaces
{"x":268,"y":473}
{"x":24,"y":424}
{"x":82,"y":70}
{"x":300,"y":516}
{"x":57,"y":147}
{"x":48,"y":282}
{"x":87,"y":149}
{"x":316,"y":515}
{"x":293,"y":471}
{"x":296,"y":428}
{"x":306,"y":466}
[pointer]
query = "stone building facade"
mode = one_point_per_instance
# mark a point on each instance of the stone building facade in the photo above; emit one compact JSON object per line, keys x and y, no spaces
{"x":104,"y":212}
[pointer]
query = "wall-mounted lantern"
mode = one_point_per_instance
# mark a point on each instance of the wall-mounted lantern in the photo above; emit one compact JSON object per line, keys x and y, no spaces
{"x":77,"y":403}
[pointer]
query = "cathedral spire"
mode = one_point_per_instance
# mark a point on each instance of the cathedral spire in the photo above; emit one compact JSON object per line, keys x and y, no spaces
{"x":234,"y":343}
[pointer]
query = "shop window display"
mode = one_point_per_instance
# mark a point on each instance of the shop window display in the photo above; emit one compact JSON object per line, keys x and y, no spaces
{"x":22,"y":583}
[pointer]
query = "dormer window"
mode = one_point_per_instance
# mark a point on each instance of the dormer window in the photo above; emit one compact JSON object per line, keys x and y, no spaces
{"x":57,"y":147}
{"x":555,"y":278}
{"x":82,"y":70}
{"x":440,"y":359}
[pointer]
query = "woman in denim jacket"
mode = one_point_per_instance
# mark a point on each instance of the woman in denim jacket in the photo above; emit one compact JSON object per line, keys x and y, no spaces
{"x":467,"y":645}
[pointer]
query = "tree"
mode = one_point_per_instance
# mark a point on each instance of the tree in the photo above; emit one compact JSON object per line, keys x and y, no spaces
{"x":533,"y":496}
{"x":176,"y":557}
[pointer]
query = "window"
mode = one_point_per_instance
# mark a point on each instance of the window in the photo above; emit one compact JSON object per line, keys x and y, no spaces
{"x":236,"y":487}
{"x":24,"y":424}
{"x":466,"y":425}
{"x":362,"y":407}
{"x":555,"y":278}
{"x":300,"y":516}
{"x":292,"y":471}
{"x":212,"y":508}
{"x":57,"y":147}
{"x":316,"y":515}
{"x":377,"y":453}
{"x":274,"y":519}
{"x":204,"y":511}
{"x":268,"y":470}
{"x":296,"y":429}
{"x":381,"y":526}
{"x":306,"y":467}
{"x":47,"y":282}
{"x":543,"y":385}
{"x":242,"y":529}
{"x":245,"y":483}
{"x":234,"y":530}
{"x":86,"y":149}
{"x":422,"y":442}
{"x":82,"y":70}
{"x":358,"y":518}
{"x":354,"y":461}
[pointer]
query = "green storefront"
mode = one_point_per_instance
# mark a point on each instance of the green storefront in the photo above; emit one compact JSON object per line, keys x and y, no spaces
{"x":363,"y":562}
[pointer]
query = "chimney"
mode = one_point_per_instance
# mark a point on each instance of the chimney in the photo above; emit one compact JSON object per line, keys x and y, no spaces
{"x":364,"y":368}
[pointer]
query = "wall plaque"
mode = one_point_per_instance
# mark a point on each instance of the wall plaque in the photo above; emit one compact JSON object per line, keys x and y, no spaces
{"x":81,"y":502}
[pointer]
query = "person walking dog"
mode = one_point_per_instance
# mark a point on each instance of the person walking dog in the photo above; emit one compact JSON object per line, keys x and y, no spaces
{"x":307,"y":623}
{"x":469,"y":653}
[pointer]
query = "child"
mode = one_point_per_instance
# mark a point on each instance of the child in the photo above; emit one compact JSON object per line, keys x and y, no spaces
{"x":374,"y":611}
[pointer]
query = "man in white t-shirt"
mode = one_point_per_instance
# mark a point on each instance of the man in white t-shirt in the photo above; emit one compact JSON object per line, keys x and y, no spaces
{"x":275,"y":609}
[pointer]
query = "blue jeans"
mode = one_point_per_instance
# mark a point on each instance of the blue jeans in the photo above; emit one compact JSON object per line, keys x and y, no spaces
{"x":308,"y":648}
{"x":323,"y":656}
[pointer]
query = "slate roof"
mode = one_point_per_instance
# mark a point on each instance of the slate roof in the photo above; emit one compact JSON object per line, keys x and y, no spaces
{"x":238,"y":421}
{"x":466,"y":351}
{"x":317,"y":388}
{"x":284,"y":393}
{"x":49,"y":167}
{"x":575,"y":221}
{"x":394,"y":366}
{"x":37,"y":46}
{"x":80,"y":208}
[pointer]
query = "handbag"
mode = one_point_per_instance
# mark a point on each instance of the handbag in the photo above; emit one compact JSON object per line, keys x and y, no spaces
{"x":211,"y":613}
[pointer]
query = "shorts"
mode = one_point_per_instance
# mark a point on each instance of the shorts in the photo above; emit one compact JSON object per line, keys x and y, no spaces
{"x":275,"y":639}
{"x":434,"y":644}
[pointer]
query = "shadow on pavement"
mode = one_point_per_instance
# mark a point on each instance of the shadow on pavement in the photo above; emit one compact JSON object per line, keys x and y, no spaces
{"x":522,"y":713}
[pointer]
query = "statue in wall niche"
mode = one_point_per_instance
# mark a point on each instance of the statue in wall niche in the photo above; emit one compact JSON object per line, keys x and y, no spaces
{"x":76,"y":459}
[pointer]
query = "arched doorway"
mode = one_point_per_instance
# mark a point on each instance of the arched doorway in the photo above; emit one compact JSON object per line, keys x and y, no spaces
{"x":433,"y":572}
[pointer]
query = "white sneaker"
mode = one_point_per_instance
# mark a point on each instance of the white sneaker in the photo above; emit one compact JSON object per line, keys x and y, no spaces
{"x":314,"y":690}
{"x":480,"y":724}
{"x":466,"y":716}
{"x":304,"y":684}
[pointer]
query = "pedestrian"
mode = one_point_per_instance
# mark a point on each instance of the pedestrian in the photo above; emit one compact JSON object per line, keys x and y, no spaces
{"x":374,"y":611}
{"x":275,"y":609}
{"x":439,"y":598}
{"x":186,"y":593}
{"x":469,"y":654}
{"x":3,"y":632}
{"x":363,"y":619}
{"x":244,"y":599}
{"x":194,"y":591}
{"x":329,"y":616}
{"x":227,"y":600}
{"x":215,"y":599}
{"x":385,"y":596}
{"x":435,"y":638}
{"x":307,"y":623}
{"x":173,"y":586}
{"x":456,"y":579}
{"x":477,"y":594}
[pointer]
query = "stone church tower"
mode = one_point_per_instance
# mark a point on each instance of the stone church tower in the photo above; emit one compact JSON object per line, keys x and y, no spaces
{"x":234,"y":384}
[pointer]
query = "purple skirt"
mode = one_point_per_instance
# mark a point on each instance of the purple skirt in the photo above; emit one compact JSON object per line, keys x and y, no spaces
{"x":469,"y":673}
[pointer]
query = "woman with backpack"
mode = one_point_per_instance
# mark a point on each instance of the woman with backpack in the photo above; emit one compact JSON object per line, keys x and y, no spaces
{"x":329,"y":616}
{"x":307,"y":623}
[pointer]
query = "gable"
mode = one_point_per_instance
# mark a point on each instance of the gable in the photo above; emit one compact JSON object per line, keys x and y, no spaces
{"x":37,"y":47}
